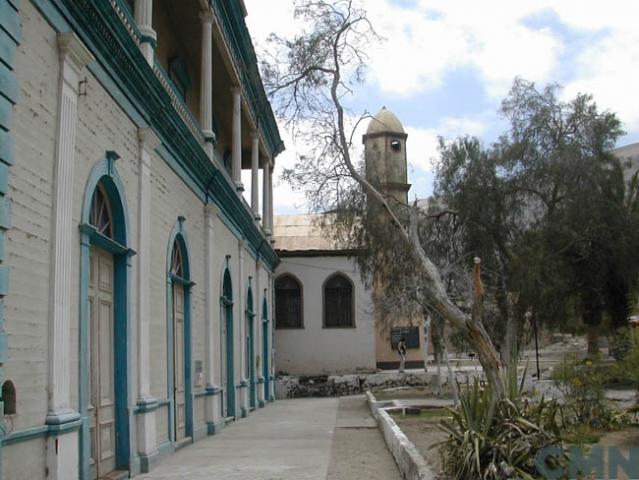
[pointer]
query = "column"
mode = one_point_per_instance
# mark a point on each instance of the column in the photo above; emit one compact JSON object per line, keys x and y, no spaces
{"x":62,"y":452}
{"x":147,"y":448}
{"x":266,"y":192}
{"x":255,"y":159}
{"x":212,"y":340}
{"x":237,"y":140}
{"x":206,"y":89}
{"x":144,"y":18}
{"x":241,"y":301}
{"x":270,"y":199}
{"x":259,"y":332}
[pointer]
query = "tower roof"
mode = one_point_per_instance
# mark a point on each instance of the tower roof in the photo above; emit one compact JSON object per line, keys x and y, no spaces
{"x":385,"y":122}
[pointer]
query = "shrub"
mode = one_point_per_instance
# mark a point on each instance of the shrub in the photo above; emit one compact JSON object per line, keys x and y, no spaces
{"x":583,"y":386}
{"x":497,"y":439}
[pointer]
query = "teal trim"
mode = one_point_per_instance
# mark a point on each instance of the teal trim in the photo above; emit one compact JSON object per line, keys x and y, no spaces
{"x":261,"y":404}
{"x":148,"y":462}
{"x":250,"y":345}
{"x":10,"y":36}
{"x":42,"y":431}
{"x":10,"y":21}
{"x":265,"y":348}
{"x":178,"y":236}
{"x":213,"y":428}
{"x":105,"y":173}
{"x":260,"y":380}
{"x":243,"y":412}
{"x":146,"y":406}
{"x":226,"y":300}
{"x":214,"y":390}
{"x":7,"y":147}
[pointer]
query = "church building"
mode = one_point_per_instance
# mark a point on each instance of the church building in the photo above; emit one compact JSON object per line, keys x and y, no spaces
{"x":136,"y":282}
{"x":327,"y":321}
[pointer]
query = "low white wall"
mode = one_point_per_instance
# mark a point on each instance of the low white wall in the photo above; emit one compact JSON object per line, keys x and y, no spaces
{"x":314,"y":349}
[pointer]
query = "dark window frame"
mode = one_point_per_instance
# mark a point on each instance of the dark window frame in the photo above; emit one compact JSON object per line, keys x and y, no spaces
{"x":339,"y":325}
{"x":299,"y":325}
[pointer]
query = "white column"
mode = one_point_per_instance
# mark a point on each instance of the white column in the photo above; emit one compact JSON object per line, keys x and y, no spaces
{"x":212,"y":310}
{"x":259,"y":332}
{"x":255,"y":159}
{"x":62,"y":454}
{"x":237,"y":140}
{"x":270,"y":199}
{"x":147,"y":448}
{"x":206,"y":88}
{"x":144,"y":19}
{"x":266,"y":192}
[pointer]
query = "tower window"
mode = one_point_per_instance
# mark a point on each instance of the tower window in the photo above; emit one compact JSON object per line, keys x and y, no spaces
{"x":396,"y":146}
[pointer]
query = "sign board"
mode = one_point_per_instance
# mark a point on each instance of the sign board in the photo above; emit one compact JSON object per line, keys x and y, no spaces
{"x":410,"y":334}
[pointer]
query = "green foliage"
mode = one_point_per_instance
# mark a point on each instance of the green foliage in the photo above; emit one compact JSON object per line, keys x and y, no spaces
{"x":627,"y":369}
{"x":493,"y":439}
{"x":582,"y":383}
{"x":620,"y":343}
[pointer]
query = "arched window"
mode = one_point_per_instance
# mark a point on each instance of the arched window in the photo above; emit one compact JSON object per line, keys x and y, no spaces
{"x":288,"y":302}
{"x":100,"y":216}
{"x":177,"y":266}
{"x":9,"y":397}
{"x":338,"y":302}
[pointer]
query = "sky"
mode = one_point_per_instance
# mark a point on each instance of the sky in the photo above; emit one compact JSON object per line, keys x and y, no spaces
{"x":445,"y":65}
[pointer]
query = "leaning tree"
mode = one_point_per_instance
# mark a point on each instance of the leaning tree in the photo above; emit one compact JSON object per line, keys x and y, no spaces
{"x":308,"y":77}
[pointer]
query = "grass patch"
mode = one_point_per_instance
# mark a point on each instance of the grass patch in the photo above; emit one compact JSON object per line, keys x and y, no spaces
{"x":583,"y":435}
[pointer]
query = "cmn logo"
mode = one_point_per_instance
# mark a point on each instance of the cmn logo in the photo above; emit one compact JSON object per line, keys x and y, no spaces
{"x":594,"y":460}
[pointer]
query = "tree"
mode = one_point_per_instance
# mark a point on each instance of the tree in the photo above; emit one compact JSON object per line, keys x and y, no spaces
{"x":308,"y":77}
{"x":548,"y":211}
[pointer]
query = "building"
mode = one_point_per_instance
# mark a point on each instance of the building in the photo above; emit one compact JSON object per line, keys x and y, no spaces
{"x":327,"y":321}
{"x":135,"y":280}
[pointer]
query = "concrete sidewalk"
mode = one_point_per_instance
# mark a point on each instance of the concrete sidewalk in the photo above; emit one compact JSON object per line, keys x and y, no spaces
{"x":287,"y":440}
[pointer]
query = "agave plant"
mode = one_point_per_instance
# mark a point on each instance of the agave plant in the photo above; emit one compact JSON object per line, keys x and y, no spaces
{"x":493,"y":439}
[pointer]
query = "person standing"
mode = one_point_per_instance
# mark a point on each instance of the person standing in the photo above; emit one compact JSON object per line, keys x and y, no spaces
{"x":401,"y":349}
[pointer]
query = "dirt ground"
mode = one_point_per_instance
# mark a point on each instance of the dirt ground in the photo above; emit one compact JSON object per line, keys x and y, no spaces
{"x":424,"y":433}
{"x":624,"y":439}
{"x":359,"y":451}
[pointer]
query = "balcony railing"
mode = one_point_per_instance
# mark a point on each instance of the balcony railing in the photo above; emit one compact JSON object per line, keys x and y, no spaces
{"x":123,"y":11}
{"x":177,"y":102}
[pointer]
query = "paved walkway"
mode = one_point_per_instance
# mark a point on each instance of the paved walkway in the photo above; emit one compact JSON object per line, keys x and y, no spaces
{"x":301,"y":439}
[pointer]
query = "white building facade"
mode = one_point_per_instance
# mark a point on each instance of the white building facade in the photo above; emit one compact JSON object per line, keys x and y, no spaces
{"x":136,"y":281}
{"x":324,"y":312}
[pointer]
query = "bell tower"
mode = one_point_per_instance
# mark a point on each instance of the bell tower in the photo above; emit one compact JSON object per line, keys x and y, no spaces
{"x":385,"y":155}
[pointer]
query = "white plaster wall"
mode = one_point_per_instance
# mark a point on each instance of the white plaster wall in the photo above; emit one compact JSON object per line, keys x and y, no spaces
{"x":317,"y":350}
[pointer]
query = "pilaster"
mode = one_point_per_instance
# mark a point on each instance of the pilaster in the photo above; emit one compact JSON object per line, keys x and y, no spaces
{"x":62,"y":456}
{"x":212,"y":340}
{"x":242,"y":330}
{"x":266,"y":198}
{"x":147,"y":448}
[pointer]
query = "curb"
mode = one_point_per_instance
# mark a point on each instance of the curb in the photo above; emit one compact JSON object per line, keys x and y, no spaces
{"x":410,"y":462}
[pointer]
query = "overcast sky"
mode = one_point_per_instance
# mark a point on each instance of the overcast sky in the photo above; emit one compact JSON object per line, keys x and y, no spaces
{"x":445,"y":65}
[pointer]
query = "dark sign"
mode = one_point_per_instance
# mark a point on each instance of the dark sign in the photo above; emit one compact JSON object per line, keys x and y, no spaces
{"x":410,"y":334}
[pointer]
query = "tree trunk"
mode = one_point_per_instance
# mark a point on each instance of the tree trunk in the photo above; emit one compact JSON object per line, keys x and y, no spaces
{"x":593,"y":340}
{"x":451,"y":377}
{"x":427,"y":329}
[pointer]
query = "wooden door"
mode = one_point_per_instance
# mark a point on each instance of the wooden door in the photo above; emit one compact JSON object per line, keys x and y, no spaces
{"x":178,"y":362}
{"x":101,"y":335}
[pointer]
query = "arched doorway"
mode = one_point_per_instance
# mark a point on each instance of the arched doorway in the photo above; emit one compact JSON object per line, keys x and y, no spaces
{"x":179,"y":335}
{"x":250,"y":348}
{"x":266,"y":370}
{"x":227,"y":307}
{"x":104,"y":326}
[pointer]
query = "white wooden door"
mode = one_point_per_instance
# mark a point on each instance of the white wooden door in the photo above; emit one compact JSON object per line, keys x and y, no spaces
{"x":101,"y":345}
{"x":178,"y":363}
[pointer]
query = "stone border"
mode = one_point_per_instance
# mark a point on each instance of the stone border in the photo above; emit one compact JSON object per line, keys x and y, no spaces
{"x":410,"y":462}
